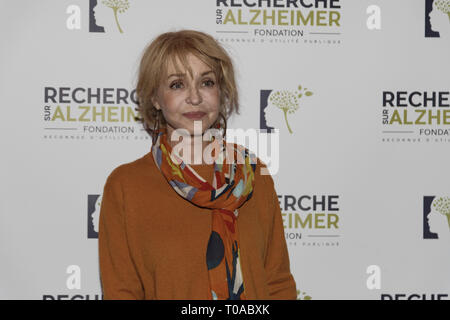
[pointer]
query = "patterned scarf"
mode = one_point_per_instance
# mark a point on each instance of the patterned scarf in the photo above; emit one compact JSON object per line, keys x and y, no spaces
{"x":232,"y":185}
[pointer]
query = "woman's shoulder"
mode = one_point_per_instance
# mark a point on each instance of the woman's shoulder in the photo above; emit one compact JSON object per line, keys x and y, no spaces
{"x":265,"y":196}
{"x":263,"y":176}
{"x":133,"y":170}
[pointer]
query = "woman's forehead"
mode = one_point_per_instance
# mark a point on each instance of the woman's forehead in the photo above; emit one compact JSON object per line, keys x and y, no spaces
{"x":192,"y":62}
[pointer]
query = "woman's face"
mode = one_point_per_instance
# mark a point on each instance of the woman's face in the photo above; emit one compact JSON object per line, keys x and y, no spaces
{"x":184,"y":99}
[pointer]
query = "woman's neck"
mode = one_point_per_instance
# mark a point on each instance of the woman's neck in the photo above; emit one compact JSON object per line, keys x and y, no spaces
{"x":193,"y":149}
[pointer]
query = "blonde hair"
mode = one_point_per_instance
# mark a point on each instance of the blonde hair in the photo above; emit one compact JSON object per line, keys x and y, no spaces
{"x":172,"y":45}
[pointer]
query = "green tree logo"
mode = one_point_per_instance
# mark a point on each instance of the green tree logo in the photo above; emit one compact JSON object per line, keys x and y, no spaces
{"x":118,"y":6}
{"x":302,"y":296}
{"x":444,"y":6}
{"x":442,"y":205}
{"x":288,"y":101}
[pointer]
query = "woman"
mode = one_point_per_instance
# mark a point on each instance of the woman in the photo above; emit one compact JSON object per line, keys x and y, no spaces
{"x":174,"y":228}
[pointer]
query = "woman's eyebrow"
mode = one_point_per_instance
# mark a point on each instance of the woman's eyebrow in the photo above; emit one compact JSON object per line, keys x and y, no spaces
{"x":184,"y":74}
{"x":176,"y":75}
{"x":206,"y":72}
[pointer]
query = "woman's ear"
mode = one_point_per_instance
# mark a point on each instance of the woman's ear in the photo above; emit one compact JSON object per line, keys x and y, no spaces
{"x":155,"y":103}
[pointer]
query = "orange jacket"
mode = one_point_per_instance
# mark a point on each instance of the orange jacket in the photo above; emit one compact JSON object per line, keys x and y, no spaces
{"x":152,"y":242}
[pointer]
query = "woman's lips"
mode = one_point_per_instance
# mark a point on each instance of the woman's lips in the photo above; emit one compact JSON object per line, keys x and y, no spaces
{"x":194,"y":115}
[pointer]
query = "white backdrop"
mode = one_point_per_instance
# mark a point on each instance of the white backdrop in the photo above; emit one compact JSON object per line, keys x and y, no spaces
{"x":379,"y":177}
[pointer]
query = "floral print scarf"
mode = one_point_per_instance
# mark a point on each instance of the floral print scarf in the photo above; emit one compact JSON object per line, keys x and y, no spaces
{"x":232,"y":186}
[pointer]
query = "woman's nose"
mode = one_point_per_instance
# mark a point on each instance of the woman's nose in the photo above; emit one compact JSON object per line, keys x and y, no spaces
{"x":194,"y":96}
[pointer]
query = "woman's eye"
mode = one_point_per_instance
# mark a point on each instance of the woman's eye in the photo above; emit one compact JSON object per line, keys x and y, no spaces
{"x":210,"y":83}
{"x":176,"y":85}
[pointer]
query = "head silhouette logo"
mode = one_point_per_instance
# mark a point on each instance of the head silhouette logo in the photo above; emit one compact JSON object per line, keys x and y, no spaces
{"x":93,"y":216}
{"x":437,"y":19}
{"x":277,"y":106}
{"x":104,"y":15}
{"x":436,"y":213}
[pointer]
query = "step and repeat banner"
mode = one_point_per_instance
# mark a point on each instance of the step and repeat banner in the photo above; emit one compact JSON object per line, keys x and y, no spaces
{"x":353,"y":94}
